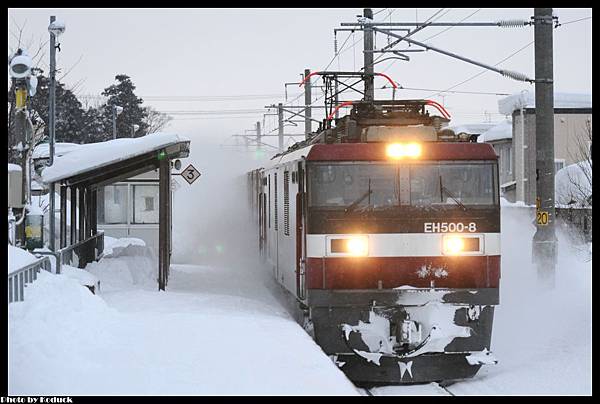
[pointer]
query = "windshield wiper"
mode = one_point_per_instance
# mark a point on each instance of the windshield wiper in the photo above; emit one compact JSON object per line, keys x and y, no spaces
{"x":443,"y":188}
{"x":359,"y":200}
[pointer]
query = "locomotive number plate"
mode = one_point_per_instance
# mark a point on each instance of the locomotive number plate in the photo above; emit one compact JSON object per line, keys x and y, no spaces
{"x":449,"y":227}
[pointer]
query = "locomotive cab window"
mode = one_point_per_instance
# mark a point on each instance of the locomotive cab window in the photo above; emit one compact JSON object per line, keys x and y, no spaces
{"x":379,"y":186}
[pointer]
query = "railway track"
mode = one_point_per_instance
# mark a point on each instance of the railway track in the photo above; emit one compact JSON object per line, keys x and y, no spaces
{"x":369,"y":390}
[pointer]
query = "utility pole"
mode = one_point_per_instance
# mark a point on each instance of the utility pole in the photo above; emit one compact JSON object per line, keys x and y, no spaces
{"x":368,"y":55}
{"x":544,"y":241}
{"x":307,"y":102}
{"x":258,"y":134}
{"x":51,"y":127}
{"x":280,"y":118}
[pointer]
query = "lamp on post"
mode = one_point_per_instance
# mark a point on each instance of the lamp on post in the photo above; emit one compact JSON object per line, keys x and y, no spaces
{"x":116,"y":110}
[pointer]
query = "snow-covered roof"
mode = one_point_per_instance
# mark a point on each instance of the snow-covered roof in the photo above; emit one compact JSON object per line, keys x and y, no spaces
{"x":43,"y":150}
{"x":14,"y":167}
{"x":526,"y":99}
{"x":573,"y":184}
{"x":472,"y":128}
{"x":92,"y":156}
{"x":501,"y":131}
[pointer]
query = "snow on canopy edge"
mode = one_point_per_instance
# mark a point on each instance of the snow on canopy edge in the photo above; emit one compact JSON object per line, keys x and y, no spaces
{"x":92,"y":156}
{"x":14,"y":167}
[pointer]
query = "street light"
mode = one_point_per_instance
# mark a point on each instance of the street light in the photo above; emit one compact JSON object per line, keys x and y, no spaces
{"x":56,"y":28}
{"x":116,"y":110}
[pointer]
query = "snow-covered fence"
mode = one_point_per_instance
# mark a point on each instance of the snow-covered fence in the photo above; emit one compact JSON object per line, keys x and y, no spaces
{"x":79,"y":254}
{"x":18,"y":279}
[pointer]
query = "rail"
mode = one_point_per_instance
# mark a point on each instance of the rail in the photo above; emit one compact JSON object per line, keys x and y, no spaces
{"x":79,"y":254}
{"x":18,"y":279}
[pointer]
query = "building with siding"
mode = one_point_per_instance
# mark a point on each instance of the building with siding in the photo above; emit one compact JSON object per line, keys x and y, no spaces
{"x":572,"y":116}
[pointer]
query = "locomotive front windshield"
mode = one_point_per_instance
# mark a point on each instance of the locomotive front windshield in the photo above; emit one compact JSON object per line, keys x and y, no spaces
{"x":377,"y":186}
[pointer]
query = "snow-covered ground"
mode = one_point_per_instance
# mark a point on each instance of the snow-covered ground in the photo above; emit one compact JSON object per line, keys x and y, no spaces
{"x":222,"y":328}
{"x":216,"y":331}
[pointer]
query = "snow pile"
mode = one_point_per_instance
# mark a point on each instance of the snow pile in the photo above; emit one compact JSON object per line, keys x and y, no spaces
{"x":526,"y":99}
{"x":572,"y":184}
{"x":96,"y":155}
{"x":18,"y":258}
{"x":52,"y":333}
{"x":501,"y":131}
{"x":127,"y":265}
{"x":83,"y":277}
{"x":13,"y":167}
{"x":113,"y":247}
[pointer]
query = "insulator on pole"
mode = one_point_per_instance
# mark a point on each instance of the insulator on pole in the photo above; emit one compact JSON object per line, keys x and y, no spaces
{"x":513,"y":23}
{"x":335,"y":45}
{"x":516,"y":76}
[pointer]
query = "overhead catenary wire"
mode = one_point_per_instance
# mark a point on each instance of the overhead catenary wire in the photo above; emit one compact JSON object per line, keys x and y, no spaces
{"x":572,"y":21}
{"x":483,"y":71}
{"x":449,"y":28}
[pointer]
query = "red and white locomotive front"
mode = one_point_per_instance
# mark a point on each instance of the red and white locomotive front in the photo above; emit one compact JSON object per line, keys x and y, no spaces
{"x":402,"y":257}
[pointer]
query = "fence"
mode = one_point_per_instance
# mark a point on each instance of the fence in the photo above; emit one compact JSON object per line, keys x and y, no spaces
{"x":18,"y":279}
{"x":79,"y":254}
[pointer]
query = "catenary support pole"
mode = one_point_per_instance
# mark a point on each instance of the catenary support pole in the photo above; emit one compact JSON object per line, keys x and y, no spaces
{"x":280,"y":118}
{"x":368,"y":55}
{"x":544,"y":241}
{"x":258,"y":134}
{"x":307,"y":102}
{"x":51,"y":128}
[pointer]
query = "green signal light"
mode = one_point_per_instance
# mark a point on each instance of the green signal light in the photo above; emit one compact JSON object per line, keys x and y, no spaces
{"x":161,"y":155}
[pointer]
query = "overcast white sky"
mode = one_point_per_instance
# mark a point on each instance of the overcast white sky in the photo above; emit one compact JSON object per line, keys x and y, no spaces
{"x":234,"y":52}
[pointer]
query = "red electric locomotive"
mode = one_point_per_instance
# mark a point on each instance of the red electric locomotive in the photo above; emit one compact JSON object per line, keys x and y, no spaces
{"x":386,"y":230}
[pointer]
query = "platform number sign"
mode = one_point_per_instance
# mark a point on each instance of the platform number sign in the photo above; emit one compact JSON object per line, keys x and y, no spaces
{"x":190,"y":174}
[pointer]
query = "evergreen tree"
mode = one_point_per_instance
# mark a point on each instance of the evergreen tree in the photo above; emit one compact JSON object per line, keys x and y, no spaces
{"x":122,"y":94}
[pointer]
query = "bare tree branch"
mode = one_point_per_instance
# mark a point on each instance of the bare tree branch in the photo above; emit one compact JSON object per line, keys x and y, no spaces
{"x":71,"y":68}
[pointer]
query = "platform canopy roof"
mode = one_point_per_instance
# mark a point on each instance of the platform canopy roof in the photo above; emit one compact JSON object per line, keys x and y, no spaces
{"x":98,"y":164}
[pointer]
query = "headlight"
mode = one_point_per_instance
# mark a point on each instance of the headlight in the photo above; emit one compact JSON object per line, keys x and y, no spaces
{"x":401,"y":150}
{"x":356,"y":246}
{"x":453,"y":245}
{"x":461,"y":245}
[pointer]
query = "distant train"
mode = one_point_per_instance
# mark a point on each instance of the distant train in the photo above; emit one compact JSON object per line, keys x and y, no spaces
{"x":386,"y":230}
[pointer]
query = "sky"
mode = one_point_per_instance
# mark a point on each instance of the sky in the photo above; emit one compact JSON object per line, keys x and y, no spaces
{"x":240,"y":59}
